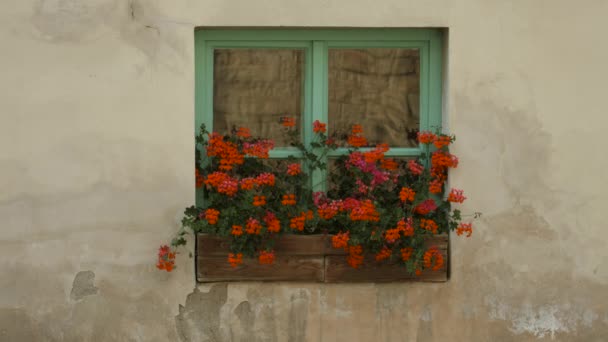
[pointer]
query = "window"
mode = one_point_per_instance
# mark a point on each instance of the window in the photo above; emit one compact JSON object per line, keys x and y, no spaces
{"x":388,"y":80}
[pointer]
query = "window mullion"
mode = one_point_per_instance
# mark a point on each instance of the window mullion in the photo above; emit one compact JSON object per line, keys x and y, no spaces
{"x":319,"y":105}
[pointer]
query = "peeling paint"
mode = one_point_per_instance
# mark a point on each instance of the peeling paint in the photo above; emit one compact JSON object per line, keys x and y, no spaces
{"x":540,"y":321}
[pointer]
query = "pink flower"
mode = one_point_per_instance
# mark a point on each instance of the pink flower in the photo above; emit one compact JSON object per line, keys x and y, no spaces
{"x":426,"y":207}
{"x":414,"y":167}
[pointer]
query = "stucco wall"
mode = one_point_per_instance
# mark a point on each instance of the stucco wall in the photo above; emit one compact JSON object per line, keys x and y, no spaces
{"x":96,"y":125}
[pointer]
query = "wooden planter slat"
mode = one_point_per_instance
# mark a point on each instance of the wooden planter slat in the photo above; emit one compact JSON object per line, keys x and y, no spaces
{"x":306,"y":258}
{"x":209,"y":245}
{"x":288,"y":268}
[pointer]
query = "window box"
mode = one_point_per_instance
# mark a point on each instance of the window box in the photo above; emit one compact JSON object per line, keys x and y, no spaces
{"x":306,"y":258}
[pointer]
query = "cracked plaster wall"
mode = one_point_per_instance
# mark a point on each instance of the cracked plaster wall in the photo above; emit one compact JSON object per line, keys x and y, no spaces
{"x":96,"y":122}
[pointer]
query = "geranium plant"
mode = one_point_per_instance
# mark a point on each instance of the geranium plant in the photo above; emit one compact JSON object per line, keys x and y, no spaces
{"x":373,"y":204}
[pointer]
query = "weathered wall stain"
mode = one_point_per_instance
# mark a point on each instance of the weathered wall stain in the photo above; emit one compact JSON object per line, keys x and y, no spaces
{"x":246,"y":318}
{"x":199,"y":317}
{"x":83,"y":285}
{"x":298,"y":316}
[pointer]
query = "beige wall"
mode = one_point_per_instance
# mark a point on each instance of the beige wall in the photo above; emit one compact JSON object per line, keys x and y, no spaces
{"x":96,"y":123}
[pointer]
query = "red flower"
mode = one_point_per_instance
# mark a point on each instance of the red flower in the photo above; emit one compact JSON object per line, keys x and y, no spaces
{"x":253,"y":226}
{"x":259,"y":201}
{"x":456,"y":196}
{"x":340,"y":240}
{"x":212,"y":215}
{"x":355,"y":256}
{"x":318,"y":127}
{"x":294,"y":169}
{"x":406,"y":253}
{"x":237,"y":230}
{"x":426,"y":137}
{"x":407,"y":194}
{"x":266,"y":257}
{"x":243,"y":132}
{"x":166,"y":259}
{"x":435,"y":186}
{"x":465,"y":228}
{"x":429,"y":225}
{"x":235,"y":259}
{"x":426,"y":207}
{"x":288,"y":121}
{"x":442,"y":140}
{"x":384,"y":253}
{"x":429,"y":255}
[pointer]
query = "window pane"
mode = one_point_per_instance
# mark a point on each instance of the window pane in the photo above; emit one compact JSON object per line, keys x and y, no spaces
{"x":378,"y":88}
{"x":255,"y":88}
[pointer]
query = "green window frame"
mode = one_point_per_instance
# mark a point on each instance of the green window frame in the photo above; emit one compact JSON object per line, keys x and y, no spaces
{"x":316,"y":43}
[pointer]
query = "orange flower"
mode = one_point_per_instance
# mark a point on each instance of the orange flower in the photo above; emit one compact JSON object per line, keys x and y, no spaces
{"x":418,"y":272}
{"x":429,"y":225}
{"x":431,"y":253}
{"x":415,"y":167}
{"x":273,"y":224}
{"x":247,"y":183}
{"x":237,"y":230}
{"x":366,"y":211}
{"x":226,"y":151}
{"x":243,"y":132}
{"x":357,"y":141}
{"x":392,"y":235}
{"x":260,"y":148}
{"x":265,"y":178}
{"x":297,"y":223}
{"x":200,"y":180}
{"x":465,"y":228}
{"x":266,"y":257}
{"x":340,"y":240}
{"x":406,"y":253}
{"x":288,"y":121}
{"x":355,"y":256}
{"x":406,"y":226}
{"x":376,"y":154}
{"x":289,"y":199}
{"x":166,"y":259}
{"x":384,"y":253}
{"x":223,"y":183}
{"x":294,"y":169}
{"x":211,"y":215}
{"x":407,"y":194}
{"x":318,"y":127}
{"x":442,"y":140}
{"x":435,"y":186}
{"x":389,"y":164}
{"x":426,"y":137}
{"x":235,"y":259}
{"x":456,"y":196}
{"x":357,"y":129}
{"x":442,"y":160}
{"x":253,"y":226}
{"x":259,"y":201}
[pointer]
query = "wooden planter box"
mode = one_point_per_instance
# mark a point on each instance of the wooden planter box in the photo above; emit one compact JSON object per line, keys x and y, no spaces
{"x":308,"y":258}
